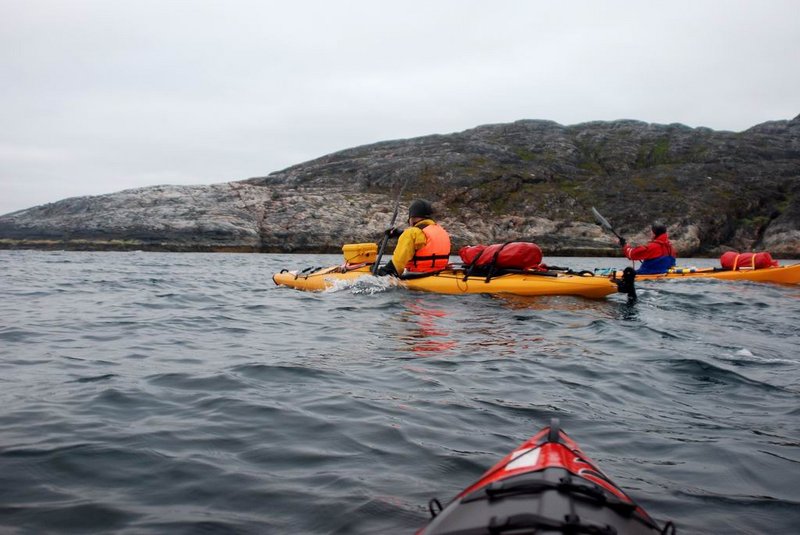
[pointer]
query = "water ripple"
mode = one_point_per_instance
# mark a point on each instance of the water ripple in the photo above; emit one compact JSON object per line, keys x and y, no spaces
{"x":185,"y":393}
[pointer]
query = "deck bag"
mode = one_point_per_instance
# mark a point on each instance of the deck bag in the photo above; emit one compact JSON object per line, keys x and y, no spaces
{"x":735,"y":261}
{"x":490,"y":259}
{"x":359,"y":253}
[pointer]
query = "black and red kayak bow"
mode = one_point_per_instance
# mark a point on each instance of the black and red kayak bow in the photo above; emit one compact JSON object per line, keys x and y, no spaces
{"x":546,"y":485}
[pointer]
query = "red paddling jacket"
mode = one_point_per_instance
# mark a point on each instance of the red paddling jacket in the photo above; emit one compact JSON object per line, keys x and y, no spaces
{"x":657,"y":256}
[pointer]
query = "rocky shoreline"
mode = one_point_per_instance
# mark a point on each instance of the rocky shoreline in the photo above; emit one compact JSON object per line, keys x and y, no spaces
{"x":528,"y":180}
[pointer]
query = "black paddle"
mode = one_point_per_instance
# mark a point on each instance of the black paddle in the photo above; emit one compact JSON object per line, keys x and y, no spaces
{"x":603,"y":222}
{"x":626,"y":284}
{"x":377,"y":263}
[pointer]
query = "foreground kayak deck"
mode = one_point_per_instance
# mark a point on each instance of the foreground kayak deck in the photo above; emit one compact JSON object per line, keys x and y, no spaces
{"x":453,"y":281}
{"x":546,"y":485}
{"x":781,"y":274}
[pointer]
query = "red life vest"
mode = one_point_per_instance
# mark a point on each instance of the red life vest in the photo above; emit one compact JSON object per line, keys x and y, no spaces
{"x":435,"y":254}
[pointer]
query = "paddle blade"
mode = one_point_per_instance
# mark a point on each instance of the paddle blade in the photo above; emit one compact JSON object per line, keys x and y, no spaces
{"x":601,"y":220}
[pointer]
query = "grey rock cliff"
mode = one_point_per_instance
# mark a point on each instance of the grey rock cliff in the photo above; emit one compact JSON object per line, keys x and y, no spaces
{"x":528,"y":180}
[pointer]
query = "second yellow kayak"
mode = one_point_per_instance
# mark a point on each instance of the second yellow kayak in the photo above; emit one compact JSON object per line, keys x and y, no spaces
{"x":779,"y":274}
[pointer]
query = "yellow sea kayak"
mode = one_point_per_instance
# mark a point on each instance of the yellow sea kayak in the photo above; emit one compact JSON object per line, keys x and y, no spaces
{"x":779,"y":274}
{"x":454,"y":281}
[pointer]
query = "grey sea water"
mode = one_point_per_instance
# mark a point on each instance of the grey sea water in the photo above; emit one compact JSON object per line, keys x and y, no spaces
{"x":186,"y":393}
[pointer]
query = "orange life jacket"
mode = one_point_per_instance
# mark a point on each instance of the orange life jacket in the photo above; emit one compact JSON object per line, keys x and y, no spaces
{"x":435,"y":254}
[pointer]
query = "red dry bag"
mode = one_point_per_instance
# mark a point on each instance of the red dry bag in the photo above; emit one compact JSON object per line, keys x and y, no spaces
{"x":512,"y":255}
{"x":735,"y":261}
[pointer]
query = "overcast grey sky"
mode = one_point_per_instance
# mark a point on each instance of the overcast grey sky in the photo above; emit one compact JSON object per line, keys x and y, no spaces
{"x":101,"y":96}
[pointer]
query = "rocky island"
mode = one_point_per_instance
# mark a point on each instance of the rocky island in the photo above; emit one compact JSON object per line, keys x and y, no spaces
{"x":528,"y":180}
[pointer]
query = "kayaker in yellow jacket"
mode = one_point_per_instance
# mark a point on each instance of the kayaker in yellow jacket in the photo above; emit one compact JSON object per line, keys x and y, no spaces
{"x":422,"y":247}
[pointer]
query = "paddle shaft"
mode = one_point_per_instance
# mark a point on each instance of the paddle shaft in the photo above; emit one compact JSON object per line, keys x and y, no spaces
{"x":385,"y":239}
{"x":603,"y":222}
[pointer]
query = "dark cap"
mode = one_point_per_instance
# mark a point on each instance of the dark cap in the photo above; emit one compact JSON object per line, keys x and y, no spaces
{"x":658,"y":228}
{"x":420,"y":208}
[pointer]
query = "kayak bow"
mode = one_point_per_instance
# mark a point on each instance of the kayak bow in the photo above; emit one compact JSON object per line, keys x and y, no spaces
{"x":546,"y":485}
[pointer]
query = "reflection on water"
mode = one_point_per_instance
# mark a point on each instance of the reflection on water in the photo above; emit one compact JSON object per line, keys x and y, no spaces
{"x":453,"y":330}
{"x":555,"y":302}
{"x":425,"y":331}
{"x":610,"y":308}
{"x":627,"y":311}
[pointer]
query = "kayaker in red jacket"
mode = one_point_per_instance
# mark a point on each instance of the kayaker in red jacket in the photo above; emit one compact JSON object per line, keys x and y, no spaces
{"x":657,"y":256}
{"x":424,"y":246}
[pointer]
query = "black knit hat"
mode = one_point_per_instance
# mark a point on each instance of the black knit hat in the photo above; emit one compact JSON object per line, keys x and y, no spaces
{"x":420,"y":208}
{"x":658,"y":228}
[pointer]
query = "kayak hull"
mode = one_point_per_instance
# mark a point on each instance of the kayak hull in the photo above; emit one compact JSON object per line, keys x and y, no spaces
{"x":780,"y":275}
{"x":546,"y":485}
{"x":454,"y":282}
